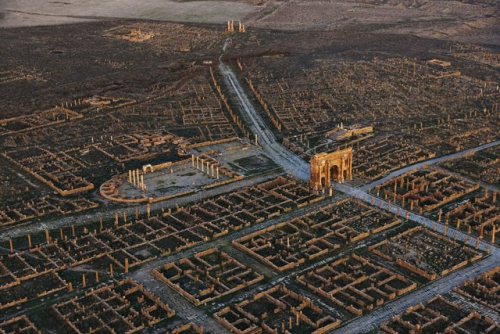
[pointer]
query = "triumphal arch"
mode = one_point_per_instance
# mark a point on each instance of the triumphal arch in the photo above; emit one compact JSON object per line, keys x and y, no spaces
{"x":328,"y":167}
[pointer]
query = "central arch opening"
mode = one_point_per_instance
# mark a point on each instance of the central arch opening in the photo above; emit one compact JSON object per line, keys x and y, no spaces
{"x":334,"y":173}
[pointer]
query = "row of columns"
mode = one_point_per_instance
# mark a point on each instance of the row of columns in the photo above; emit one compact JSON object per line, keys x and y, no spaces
{"x":206,"y":166}
{"x":74,"y":103}
{"x":230,"y":26}
{"x":136,"y":178}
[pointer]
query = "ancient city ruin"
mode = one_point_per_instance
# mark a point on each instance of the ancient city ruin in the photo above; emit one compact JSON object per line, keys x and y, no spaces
{"x":290,"y":244}
{"x":208,"y":275}
{"x":280,"y":167}
{"x":356,"y":284}
{"x":439,"y":315}
{"x":277,"y":309}
{"x":425,"y":253}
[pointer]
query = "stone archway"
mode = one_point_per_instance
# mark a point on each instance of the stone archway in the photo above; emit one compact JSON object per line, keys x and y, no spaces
{"x":148,"y":168}
{"x":328,"y":167}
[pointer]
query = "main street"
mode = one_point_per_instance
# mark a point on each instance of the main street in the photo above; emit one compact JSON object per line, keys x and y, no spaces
{"x":290,"y":162}
{"x":299,"y":168}
{"x":108,"y":213}
{"x":429,"y":162}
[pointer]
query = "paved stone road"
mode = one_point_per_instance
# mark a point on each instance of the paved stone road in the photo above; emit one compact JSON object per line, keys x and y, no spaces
{"x":290,"y":162}
{"x":108,"y":213}
{"x":429,"y":162}
{"x":293,"y":164}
